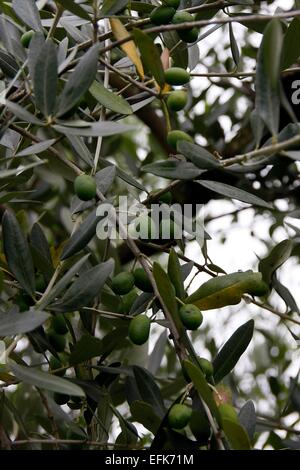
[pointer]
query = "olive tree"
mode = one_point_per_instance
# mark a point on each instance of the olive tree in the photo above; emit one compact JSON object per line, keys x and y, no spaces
{"x":121,"y":123}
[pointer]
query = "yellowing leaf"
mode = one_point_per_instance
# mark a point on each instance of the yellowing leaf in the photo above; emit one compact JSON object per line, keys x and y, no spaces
{"x":129,"y":47}
{"x":166,"y":89}
{"x":226,"y":290}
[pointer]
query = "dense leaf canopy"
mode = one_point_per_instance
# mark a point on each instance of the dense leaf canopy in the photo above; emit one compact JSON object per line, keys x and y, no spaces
{"x":190,"y":103}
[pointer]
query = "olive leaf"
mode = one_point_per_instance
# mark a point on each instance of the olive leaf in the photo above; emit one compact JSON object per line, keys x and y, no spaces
{"x":150,"y":56}
{"x":276,"y":258}
{"x":232,"y":350}
{"x":45,"y":78}
{"x":43,"y":380}
{"x":175,"y":275}
{"x":236,"y":435}
{"x":28,"y":13}
{"x":82,"y":236}
{"x":85,"y":288}
{"x":198,"y":155}
{"x":290,"y":48}
{"x":202,"y":388}
{"x":149,"y":390}
{"x":144,"y":413}
{"x":247,"y":418}
{"x":109,"y":99}
{"x":17,"y":253}
{"x":167,"y":292}
{"x":267,"y":101}
{"x":225,"y":290}
{"x":173,"y":169}
{"x":15,"y":323}
{"x":234,"y":193}
{"x":74,"y":8}
{"x":79,"y":81}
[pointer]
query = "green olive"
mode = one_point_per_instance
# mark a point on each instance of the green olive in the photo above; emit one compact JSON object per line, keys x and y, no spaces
{"x":139,"y":329}
{"x":85,"y":187}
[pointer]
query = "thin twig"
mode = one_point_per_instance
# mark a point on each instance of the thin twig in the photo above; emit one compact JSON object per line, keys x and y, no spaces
{"x":72,"y":441}
{"x":202,"y":23}
{"x":213,"y":426}
{"x":283,"y":316}
{"x":262,"y":152}
{"x":50,"y":415}
{"x":127,"y":78}
{"x":103,"y":109}
{"x":237,"y":74}
{"x":108,"y":314}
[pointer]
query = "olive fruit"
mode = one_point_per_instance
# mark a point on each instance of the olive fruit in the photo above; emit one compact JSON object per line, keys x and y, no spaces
{"x":122,"y":283}
{"x":58,"y":342}
{"x":177,"y":76}
{"x":166,"y":198}
{"x":177,"y":100}
{"x":60,"y":398}
{"x":26,"y":38}
{"x":174,"y":137}
{"x":179,"y":416}
{"x":54,"y":364}
{"x":85,"y":187}
{"x":206,"y":366}
{"x":139,"y":329}
{"x":172,"y":3}
{"x":58,"y":324}
{"x":228,"y":412}
{"x":162,"y":15}
{"x":190,"y":316}
{"x":188,"y":35}
{"x":141,"y":280}
{"x":182,"y":17}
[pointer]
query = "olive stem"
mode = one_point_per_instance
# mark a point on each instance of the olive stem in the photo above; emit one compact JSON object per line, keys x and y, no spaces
{"x":108,"y":314}
{"x":50,"y":285}
{"x":180,"y":301}
{"x":12,"y":346}
{"x":213,"y":425}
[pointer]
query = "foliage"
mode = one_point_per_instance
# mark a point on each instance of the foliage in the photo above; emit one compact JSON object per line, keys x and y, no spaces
{"x":95,"y":340}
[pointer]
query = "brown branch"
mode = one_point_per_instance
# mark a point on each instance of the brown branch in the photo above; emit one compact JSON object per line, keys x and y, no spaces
{"x":282,"y":316}
{"x":128,"y":78}
{"x":73,"y":441}
{"x":262,"y":152}
{"x":201,"y":23}
{"x":142,"y":22}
